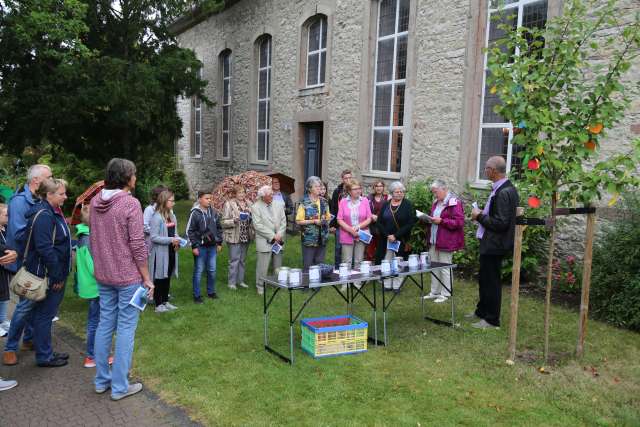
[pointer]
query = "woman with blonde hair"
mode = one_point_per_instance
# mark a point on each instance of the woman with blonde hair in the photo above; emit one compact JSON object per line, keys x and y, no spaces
{"x":238,"y":232}
{"x":163,"y":253}
{"x":48,"y":253}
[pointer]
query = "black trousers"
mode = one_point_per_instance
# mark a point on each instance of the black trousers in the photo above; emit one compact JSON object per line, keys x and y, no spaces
{"x":161,"y":291}
{"x":488,"y":307}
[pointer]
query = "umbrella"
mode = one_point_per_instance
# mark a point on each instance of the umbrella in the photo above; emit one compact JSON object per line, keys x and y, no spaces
{"x":250,"y":180}
{"x":83,"y":199}
{"x":287,"y":184}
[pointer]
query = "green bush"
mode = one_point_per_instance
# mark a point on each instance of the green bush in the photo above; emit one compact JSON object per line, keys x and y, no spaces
{"x":534,"y":245}
{"x":615,"y":289}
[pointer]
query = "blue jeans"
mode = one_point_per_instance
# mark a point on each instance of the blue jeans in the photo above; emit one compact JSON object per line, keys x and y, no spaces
{"x":43,"y":313}
{"x":338,"y":247}
{"x":93,"y":317}
{"x":207,"y":257}
{"x":3,"y":310}
{"x":116,"y":315}
{"x":20,"y":321}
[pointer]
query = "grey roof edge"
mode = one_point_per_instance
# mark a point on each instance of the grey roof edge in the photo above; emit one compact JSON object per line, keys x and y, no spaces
{"x":196,"y":16}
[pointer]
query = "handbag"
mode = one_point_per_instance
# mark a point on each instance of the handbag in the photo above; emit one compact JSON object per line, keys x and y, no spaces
{"x":26,"y":284}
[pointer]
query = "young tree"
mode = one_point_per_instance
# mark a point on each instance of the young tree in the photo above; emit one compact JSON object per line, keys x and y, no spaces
{"x":564,"y":86}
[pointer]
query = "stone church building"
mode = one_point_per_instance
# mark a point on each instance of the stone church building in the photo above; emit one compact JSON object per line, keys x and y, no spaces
{"x":391,"y":89}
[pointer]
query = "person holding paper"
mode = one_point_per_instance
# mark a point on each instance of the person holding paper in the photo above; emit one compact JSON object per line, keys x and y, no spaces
{"x":120,"y":267}
{"x":377,"y":199}
{"x":313,"y":217}
{"x":396,"y":220}
{"x":270,"y":224}
{"x":496,"y":230}
{"x":238,"y":233}
{"x":163,"y":253}
{"x":445,"y":235}
{"x":354,"y":216}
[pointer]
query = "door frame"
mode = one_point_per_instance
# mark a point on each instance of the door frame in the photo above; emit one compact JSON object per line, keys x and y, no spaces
{"x":300,"y":120}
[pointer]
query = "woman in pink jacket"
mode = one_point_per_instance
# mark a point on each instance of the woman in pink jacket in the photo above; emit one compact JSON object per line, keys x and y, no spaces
{"x":354,"y":214}
{"x":445,"y":235}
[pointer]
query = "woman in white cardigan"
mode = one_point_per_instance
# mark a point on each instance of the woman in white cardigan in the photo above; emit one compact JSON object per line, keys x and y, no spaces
{"x":238,"y":232}
{"x":163,"y":253}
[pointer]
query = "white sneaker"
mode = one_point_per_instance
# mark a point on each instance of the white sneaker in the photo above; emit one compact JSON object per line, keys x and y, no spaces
{"x":244,"y":285}
{"x":440,"y":299}
{"x":232,"y":287}
{"x":170,"y":306}
{"x":7,"y":384}
{"x":55,"y":319}
{"x":431,"y":296}
{"x":5,"y":325}
{"x":133,"y":389}
{"x":3,"y":331}
{"x":161,"y":309}
{"x":483,"y":324}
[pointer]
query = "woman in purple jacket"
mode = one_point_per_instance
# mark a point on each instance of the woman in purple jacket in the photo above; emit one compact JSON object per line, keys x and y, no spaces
{"x":445,"y":235}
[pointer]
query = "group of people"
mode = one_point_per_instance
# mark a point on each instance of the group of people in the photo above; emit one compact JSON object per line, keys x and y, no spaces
{"x":121,"y":249}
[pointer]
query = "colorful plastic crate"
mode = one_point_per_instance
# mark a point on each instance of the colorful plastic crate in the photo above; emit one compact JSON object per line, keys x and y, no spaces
{"x":333,"y":336}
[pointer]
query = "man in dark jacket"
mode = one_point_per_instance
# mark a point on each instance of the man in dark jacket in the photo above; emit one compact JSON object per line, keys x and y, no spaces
{"x":205,"y":234}
{"x":338,"y":194}
{"x":497,"y":223}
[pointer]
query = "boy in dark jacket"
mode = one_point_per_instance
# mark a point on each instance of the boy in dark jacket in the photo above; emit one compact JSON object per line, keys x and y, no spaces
{"x":205,"y":234}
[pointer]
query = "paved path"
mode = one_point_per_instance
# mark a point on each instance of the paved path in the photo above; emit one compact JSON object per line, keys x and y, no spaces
{"x":65,"y":397}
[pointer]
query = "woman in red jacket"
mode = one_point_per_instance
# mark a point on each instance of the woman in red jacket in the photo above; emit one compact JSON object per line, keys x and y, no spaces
{"x":445,"y":235}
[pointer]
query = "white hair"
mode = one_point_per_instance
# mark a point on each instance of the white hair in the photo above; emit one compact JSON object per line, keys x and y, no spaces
{"x":396,"y":185}
{"x":36,"y":171}
{"x":439,"y":183}
{"x":265,"y":190}
{"x":311,"y":181}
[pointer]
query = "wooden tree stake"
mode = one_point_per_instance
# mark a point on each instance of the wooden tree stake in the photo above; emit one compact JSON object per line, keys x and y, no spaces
{"x":586,"y":283}
{"x":547,"y":299}
{"x":515,"y":286}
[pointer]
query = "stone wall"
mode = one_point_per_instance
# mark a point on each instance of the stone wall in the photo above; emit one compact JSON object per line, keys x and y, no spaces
{"x":442,"y":79}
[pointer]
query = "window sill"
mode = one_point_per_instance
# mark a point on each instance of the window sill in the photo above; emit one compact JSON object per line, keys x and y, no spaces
{"x":260,"y":166}
{"x":315,"y":90}
{"x":194,"y":159}
{"x":383,"y":175}
{"x":224,"y":159}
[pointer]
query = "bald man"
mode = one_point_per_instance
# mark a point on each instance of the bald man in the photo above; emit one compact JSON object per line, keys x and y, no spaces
{"x":497,"y":223}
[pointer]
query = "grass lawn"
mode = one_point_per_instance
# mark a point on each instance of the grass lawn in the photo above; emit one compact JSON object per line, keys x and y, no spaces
{"x":209,"y":359}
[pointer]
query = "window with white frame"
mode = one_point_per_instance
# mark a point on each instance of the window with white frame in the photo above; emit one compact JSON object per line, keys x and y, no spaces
{"x":196,"y":124}
{"x":225,"y":146}
{"x":495,"y":132}
{"x":264,"y":99}
{"x":317,"y":52}
{"x":389,"y":87}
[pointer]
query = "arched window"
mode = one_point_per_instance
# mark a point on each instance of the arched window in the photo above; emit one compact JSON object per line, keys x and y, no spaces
{"x":495,"y":132}
{"x":225,"y":102}
{"x":389,"y":87}
{"x":316,"y":58}
{"x":264,"y":99}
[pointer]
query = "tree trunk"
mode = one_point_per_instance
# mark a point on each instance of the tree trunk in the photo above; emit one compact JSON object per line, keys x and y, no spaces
{"x":547,"y":300}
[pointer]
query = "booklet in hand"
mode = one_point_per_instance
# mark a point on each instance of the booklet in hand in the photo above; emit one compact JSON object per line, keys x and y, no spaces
{"x":139,"y":299}
{"x":276,"y":248}
{"x":364,"y":236}
{"x":244,"y":216}
{"x":393,"y":246}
